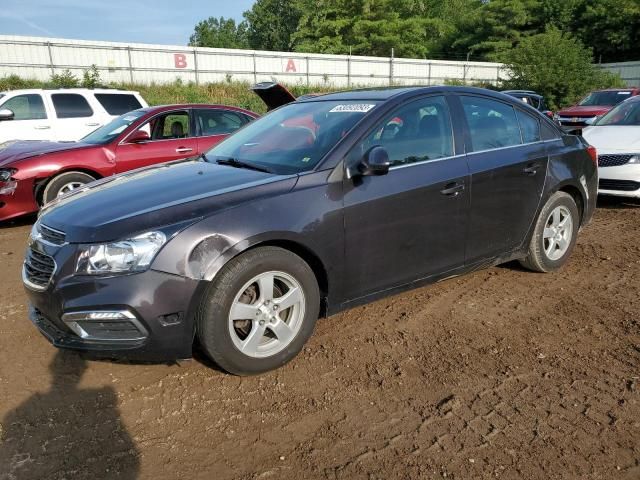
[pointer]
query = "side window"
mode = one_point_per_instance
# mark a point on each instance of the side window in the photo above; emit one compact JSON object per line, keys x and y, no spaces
{"x":26,"y":107}
{"x":118,"y":103}
{"x":219,"y":122}
{"x":548,"y":132}
{"x":492,"y":124}
{"x":169,"y":126}
{"x":71,"y":105}
{"x":530,"y":127}
{"x":416,"y":132}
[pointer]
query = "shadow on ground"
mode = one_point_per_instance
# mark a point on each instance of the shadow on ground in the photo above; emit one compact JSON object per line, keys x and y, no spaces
{"x":68,"y":431}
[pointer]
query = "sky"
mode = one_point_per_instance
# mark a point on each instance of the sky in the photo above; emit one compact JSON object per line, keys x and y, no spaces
{"x":168,"y":22}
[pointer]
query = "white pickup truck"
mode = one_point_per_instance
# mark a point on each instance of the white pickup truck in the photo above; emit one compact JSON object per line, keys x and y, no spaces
{"x":66,"y":114}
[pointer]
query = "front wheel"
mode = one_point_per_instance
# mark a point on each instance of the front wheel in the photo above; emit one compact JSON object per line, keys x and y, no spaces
{"x":259,"y":311}
{"x":555,"y":234}
{"x":64,"y":183}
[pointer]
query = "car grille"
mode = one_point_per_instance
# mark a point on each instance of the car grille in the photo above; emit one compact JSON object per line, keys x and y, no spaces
{"x":613,"y":160}
{"x":622,"y":185}
{"x":38,"y":268}
{"x":50,"y":235}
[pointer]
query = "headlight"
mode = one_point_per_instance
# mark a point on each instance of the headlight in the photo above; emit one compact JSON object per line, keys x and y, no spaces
{"x":6,"y":174}
{"x":634,"y":159}
{"x":132,"y":255}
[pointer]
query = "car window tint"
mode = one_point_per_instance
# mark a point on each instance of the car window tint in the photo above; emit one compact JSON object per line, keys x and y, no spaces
{"x":416,"y":132}
{"x":530,"y":127}
{"x":71,"y":105}
{"x":219,"y":122}
{"x":492,"y":124}
{"x":548,"y":132}
{"x":26,"y":107}
{"x":118,"y":103}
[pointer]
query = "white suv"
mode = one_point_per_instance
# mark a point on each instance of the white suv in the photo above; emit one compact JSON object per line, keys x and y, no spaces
{"x":63,"y":114}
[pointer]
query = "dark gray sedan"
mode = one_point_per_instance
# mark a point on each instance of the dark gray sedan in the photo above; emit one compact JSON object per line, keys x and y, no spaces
{"x":323,"y":204}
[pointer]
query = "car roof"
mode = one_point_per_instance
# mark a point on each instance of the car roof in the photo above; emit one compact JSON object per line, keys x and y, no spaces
{"x":178,"y":106}
{"x":627,"y":89}
{"x":69,"y":90}
{"x":388,"y":93}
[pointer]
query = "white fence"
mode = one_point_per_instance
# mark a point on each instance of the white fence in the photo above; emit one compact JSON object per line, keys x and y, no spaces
{"x":628,"y":71}
{"x":39,"y":57}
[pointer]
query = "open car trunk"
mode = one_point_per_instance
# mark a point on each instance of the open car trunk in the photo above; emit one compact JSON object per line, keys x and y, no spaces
{"x":273,"y":94}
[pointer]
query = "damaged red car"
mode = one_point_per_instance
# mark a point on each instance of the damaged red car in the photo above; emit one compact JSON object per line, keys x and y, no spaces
{"x":33,"y":173}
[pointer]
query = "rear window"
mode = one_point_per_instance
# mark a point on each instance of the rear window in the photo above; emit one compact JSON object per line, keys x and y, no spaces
{"x":606,"y":98}
{"x":71,"y":105}
{"x":492,"y":124}
{"x":118,"y":103}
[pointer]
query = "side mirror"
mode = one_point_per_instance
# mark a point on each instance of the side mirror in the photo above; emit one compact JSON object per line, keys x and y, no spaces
{"x":375,"y":162}
{"x":6,"y":114}
{"x":139,"y":136}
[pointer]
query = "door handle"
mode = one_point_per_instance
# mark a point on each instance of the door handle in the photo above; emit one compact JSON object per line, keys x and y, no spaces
{"x":184,"y":150}
{"x":531,"y":169}
{"x":92,"y":124}
{"x":452,"y":189}
{"x":42,"y":127}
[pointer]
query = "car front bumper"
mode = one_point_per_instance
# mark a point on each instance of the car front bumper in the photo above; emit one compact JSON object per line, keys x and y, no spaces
{"x":152,"y":315}
{"x":621,"y":181}
{"x":20,"y":202}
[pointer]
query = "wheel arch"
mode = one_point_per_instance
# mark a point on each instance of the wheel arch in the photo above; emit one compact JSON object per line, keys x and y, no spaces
{"x":41,"y":183}
{"x":297,"y":247}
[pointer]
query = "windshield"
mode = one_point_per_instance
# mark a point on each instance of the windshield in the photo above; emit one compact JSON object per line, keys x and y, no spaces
{"x":294,"y":138}
{"x":111,"y":130}
{"x":627,"y":113}
{"x":609,"y":98}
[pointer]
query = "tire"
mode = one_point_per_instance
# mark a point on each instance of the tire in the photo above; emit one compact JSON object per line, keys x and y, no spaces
{"x":552,"y":243}
{"x":60,"y":184}
{"x":248,"y":346}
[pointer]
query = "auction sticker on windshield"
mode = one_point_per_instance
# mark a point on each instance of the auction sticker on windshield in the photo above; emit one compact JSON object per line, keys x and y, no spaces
{"x":354,"y":107}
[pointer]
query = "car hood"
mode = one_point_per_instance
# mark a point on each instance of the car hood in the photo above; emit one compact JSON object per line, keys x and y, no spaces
{"x":121,"y":206}
{"x":613,"y":138}
{"x":14,"y":150}
{"x":580,"y":111}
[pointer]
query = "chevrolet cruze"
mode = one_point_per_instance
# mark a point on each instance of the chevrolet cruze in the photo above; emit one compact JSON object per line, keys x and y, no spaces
{"x":323,"y":204}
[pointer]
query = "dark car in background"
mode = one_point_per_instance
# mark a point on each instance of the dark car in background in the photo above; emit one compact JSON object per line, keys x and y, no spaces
{"x":33,"y":173}
{"x":574,"y":119}
{"x":320,"y":205}
{"x":531,"y":98}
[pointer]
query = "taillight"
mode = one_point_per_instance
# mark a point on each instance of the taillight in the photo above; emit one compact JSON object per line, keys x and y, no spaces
{"x":593,"y":153}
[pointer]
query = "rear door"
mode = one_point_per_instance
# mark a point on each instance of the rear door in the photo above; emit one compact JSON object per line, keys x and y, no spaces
{"x":410,"y":223}
{"x":75,"y":117}
{"x":507,"y":162}
{"x":171,"y":138}
{"x":30,"y":121}
{"x":214,"y":124}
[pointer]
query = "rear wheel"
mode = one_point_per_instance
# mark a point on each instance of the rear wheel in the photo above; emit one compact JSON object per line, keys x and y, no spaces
{"x":555,"y":234}
{"x":259,"y":311}
{"x":63,"y":184}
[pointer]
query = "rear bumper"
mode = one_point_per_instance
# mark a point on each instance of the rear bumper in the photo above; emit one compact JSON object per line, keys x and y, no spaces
{"x":20,"y":202}
{"x":159,"y":308}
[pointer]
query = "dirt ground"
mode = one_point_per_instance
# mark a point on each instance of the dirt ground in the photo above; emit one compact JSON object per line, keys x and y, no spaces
{"x":499,"y":374}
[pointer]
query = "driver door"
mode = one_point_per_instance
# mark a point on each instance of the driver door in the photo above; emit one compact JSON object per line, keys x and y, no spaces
{"x":170,"y":138}
{"x":30,"y":121}
{"x":410,"y":223}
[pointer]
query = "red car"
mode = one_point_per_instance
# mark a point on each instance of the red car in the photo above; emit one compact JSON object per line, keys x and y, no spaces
{"x":33,"y":173}
{"x":597,"y":103}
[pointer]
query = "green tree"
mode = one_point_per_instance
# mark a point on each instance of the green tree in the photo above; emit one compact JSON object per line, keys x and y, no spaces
{"x":557,"y":65}
{"x":219,"y":33}
{"x":611,"y":27}
{"x":271,"y":24}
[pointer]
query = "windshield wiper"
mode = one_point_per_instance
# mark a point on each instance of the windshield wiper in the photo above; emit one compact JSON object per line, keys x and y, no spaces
{"x":234,"y":162}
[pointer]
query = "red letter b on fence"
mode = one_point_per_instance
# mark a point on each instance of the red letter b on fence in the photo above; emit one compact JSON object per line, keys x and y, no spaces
{"x":180,"y":60}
